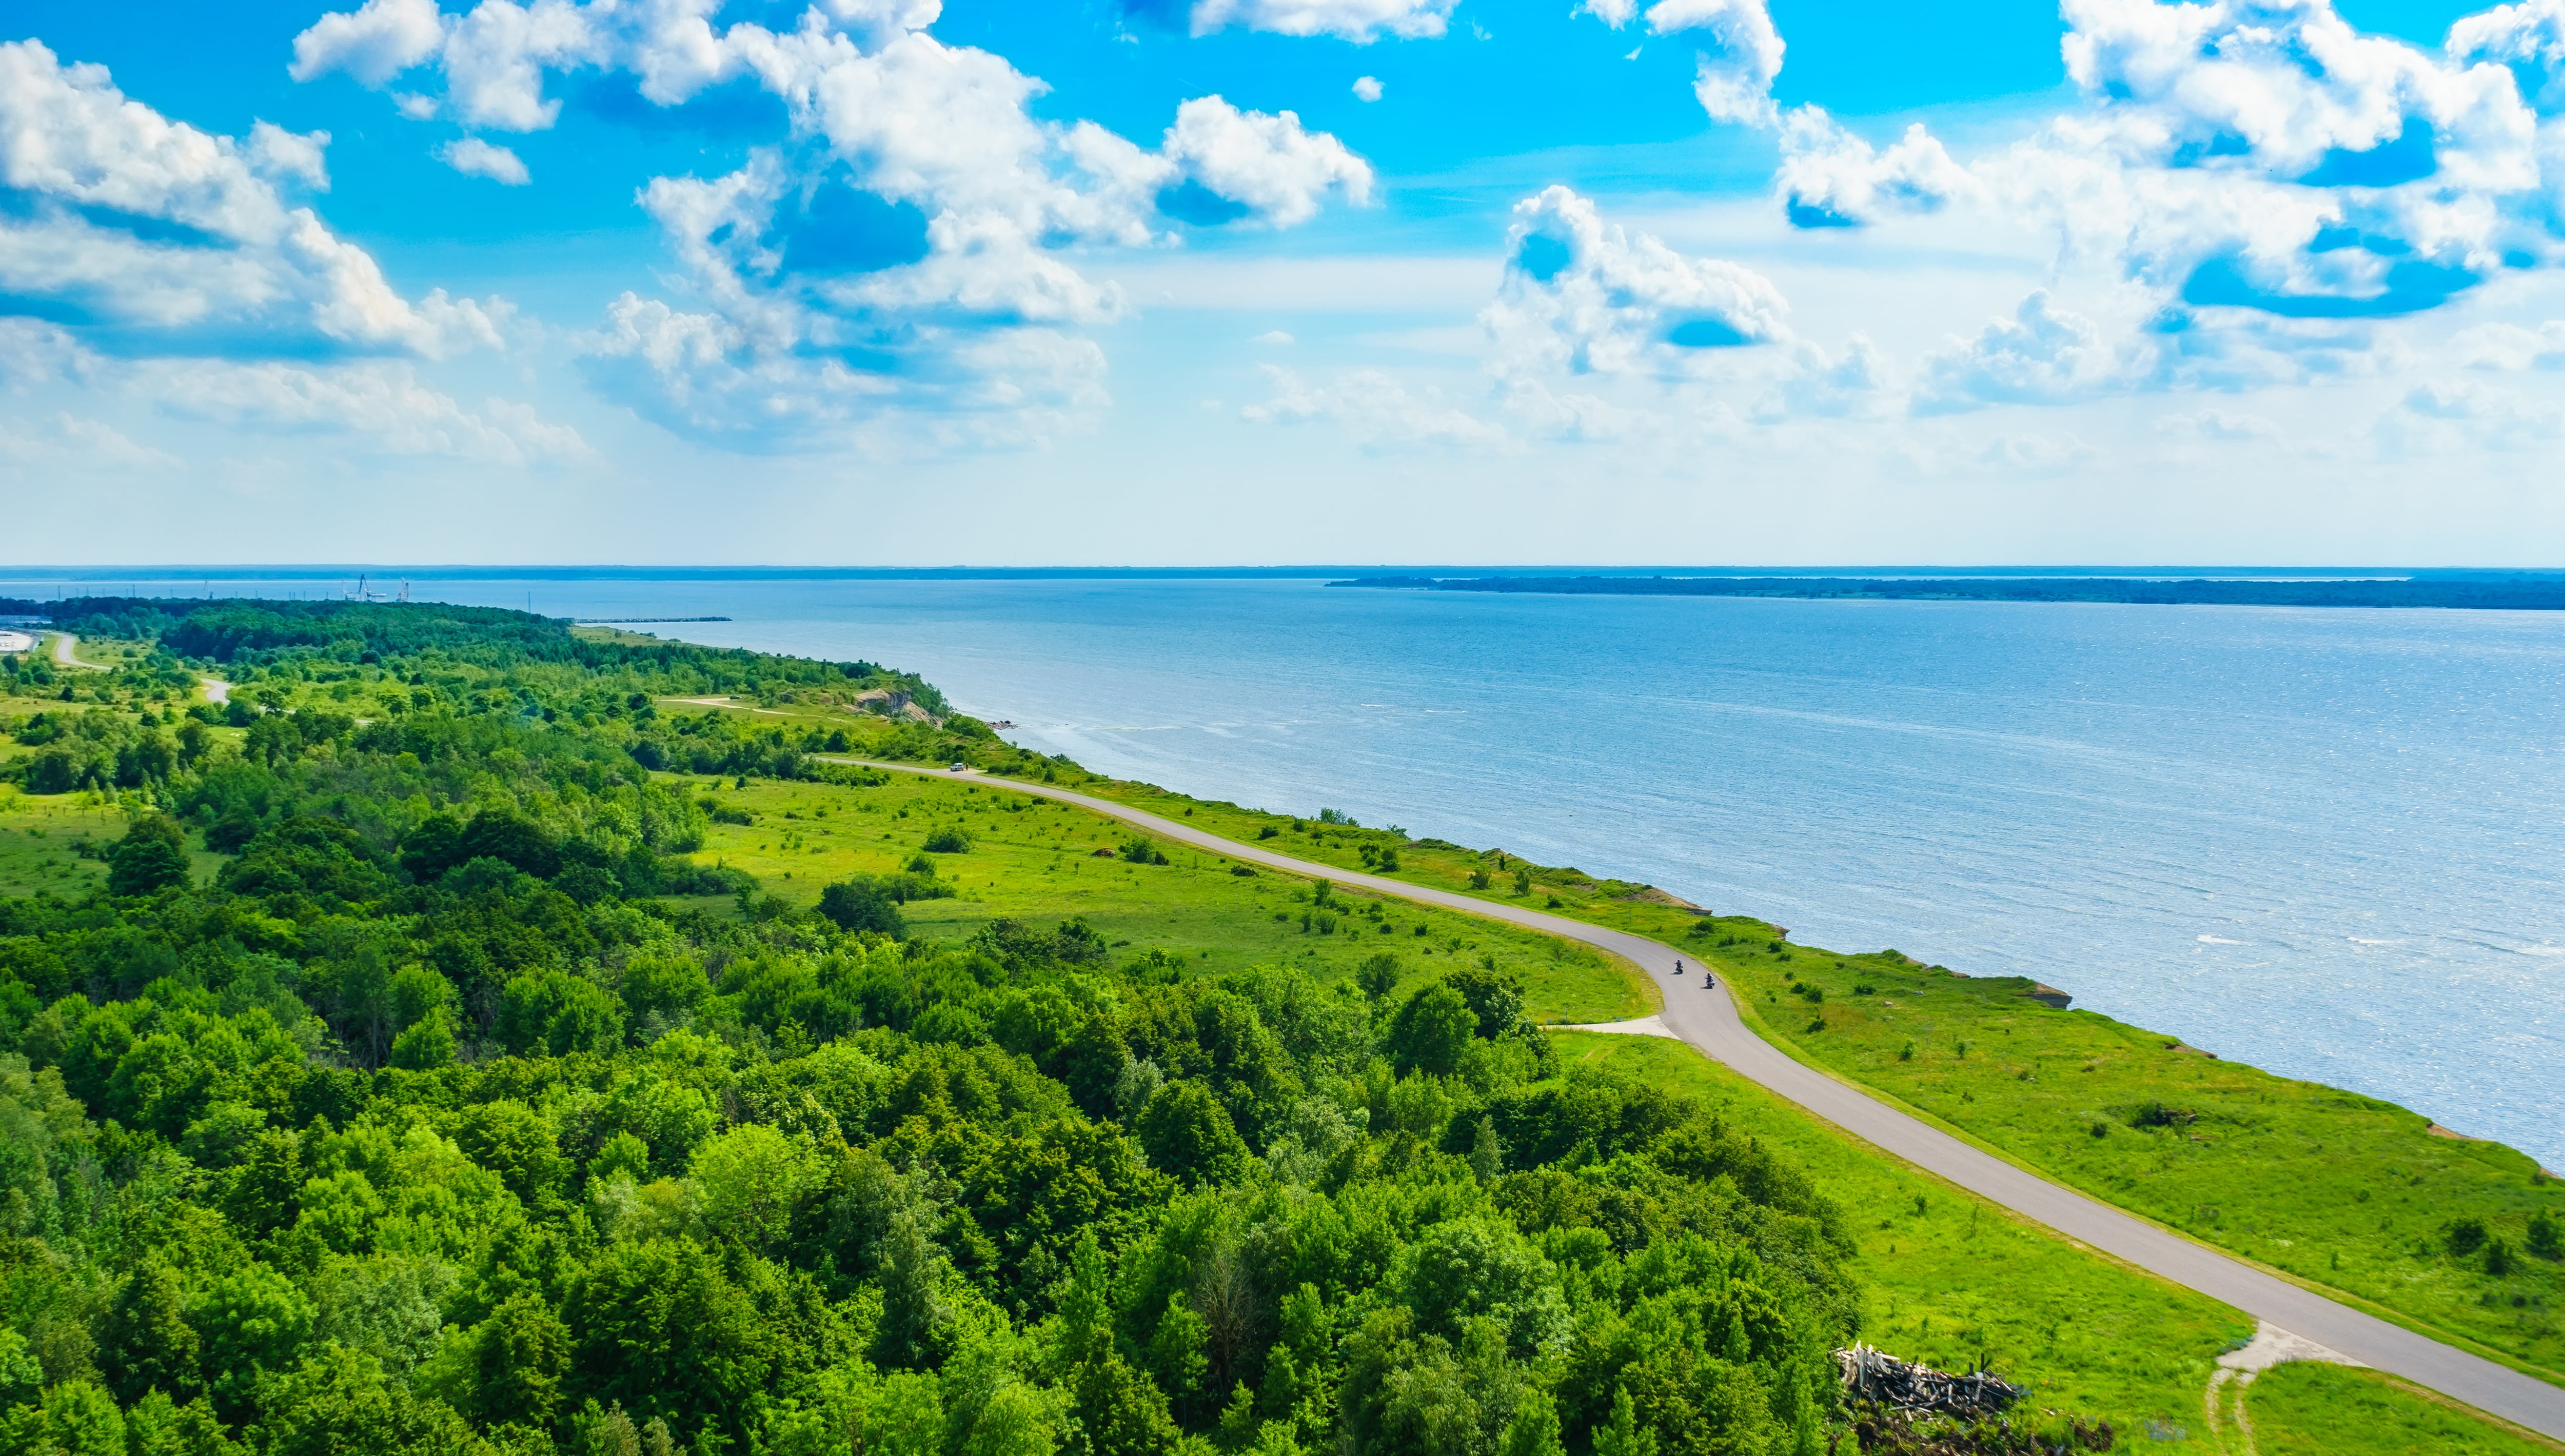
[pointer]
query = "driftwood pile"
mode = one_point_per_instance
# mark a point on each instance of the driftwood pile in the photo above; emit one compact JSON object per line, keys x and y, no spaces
{"x":1902,"y":1408}
{"x":1876,"y":1377}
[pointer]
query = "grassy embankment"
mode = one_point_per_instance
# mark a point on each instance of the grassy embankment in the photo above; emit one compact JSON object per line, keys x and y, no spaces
{"x":2345,"y":1193}
{"x":1959,"y":1280}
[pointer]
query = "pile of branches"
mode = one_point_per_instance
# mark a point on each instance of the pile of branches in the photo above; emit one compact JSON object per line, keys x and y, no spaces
{"x":1876,"y":1377}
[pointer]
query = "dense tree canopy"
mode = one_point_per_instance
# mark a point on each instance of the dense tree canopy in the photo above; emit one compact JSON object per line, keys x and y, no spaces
{"x":428,"y":1125}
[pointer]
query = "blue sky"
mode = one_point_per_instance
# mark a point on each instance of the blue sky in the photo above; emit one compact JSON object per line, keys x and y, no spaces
{"x":1257,"y":280}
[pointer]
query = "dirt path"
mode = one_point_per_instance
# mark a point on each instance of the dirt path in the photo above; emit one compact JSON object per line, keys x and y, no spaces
{"x":1709,"y":1020}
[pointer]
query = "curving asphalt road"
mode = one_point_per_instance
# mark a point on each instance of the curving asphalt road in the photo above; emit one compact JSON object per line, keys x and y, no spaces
{"x":64,"y":642}
{"x":1709,"y":1022}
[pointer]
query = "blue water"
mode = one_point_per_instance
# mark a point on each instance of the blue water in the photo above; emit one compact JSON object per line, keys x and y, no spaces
{"x":2325,"y":842}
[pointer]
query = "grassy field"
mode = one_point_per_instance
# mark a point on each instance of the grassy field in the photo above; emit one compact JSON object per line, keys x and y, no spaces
{"x":1038,"y":861}
{"x":2318,"y":1411}
{"x":2332,"y":1188}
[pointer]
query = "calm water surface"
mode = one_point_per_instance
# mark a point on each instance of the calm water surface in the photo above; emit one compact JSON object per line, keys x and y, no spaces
{"x":2324,"y":842}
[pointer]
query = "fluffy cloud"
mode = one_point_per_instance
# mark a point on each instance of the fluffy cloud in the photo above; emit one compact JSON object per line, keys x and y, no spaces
{"x":1265,"y":165}
{"x":474,"y":158}
{"x":904,"y":248}
{"x":372,"y":44}
{"x":1367,"y":89}
{"x":1359,"y":20}
{"x":2528,"y":39}
{"x":1380,"y":413}
{"x":143,"y":223}
{"x":1734,"y":84}
{"x":1830,"y":177}
{"x":2043,"y":354}
{"x":1582,"y":296}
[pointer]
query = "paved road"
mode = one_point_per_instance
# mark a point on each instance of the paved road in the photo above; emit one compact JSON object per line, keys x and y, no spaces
{"x":64,"y":642}
{"x":1709,"y":1020}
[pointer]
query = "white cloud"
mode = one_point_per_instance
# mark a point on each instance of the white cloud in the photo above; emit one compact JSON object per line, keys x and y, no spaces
{"x":1367,"y":87}
{"x":1856,"y":385}
{"x":1273,"y":338}
{"x":288,"y":156}
{"x":1267,"y":164}
{"x":373,"y":44}
{"x":36,"y":352}
{"x":88,"y":158}
{"x":1359,"y":20}
{"x":808,"y":324}
{"x":2451,"y":415}
{"x":1582,"y":296}
{"x":1830,"y":177}
{"x":474,"y":158}
{"x":2530,"y":38}
{"x":2220,"y":425}
{"x":2037,"y":453}
{"x":1377,"y":411}
{"x":75,"y":443}
{"x":2510,"y":347}
{"x":2043,"y":354}
{"x":381,"y":401}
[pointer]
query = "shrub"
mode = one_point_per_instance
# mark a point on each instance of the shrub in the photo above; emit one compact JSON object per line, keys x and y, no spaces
{"x":948,"y":840}
{"x":2153,"y":1113}
{"x":1140,"y":851}
{"x":863,"y":904}
{"x":2499,"y":1260}
{"x":1268,"y":832}
{"x":2546,"y":1236}
{"x":1522,"y":882}
{"x":1478,"y":879}
{"x":2466,"y":1234}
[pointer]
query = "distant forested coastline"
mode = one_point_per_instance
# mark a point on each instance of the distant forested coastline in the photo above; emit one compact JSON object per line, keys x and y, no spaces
{"x":2505,"y":593}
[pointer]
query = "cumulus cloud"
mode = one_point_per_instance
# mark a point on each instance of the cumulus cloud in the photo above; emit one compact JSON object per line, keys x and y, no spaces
{"x":1367,"y":89}
{"x":1358,"y":21}
{"x":1381,"y":414}
{"x":2042,"y":354}
{"x":1830,"y":177}
{"x":907,"y":248}
{"x":1266,"y":165}
{"x":134,"y":221}
{"x":372,"y":44}
{"x":1582,"y":296}
{"x":1732,"y":83}
{"x":474,"y":158}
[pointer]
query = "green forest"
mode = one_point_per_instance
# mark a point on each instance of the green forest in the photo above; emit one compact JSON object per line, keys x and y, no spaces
{"x":398,"y":1078}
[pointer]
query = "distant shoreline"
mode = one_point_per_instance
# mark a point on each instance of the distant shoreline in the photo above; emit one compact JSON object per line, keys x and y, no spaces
{"x":2476,"y":593}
